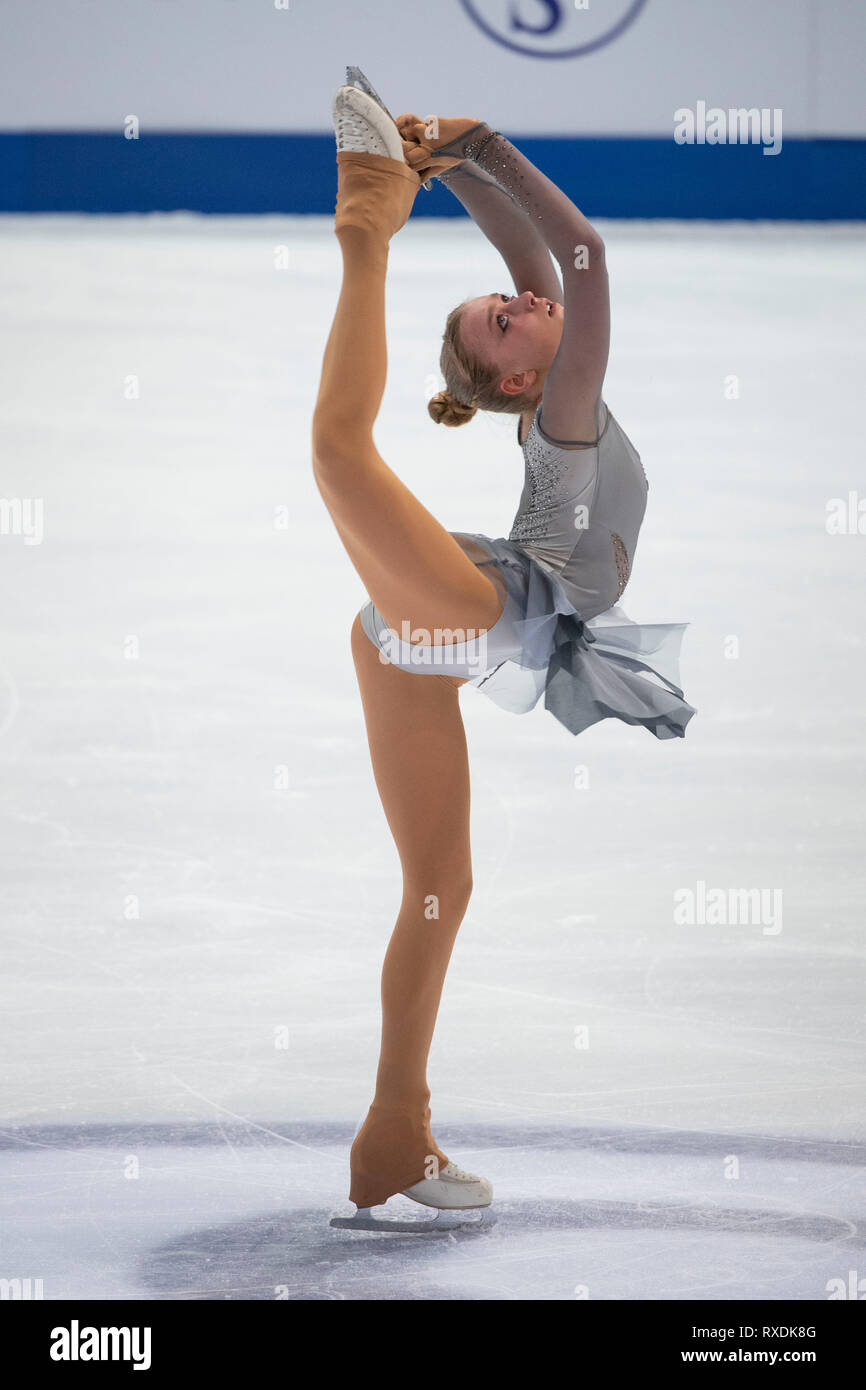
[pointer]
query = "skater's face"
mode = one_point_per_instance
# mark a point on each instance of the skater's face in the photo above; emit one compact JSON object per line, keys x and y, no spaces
{"x":517,"y":334}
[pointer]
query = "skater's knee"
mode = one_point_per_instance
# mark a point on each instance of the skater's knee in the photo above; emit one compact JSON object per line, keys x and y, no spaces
{"x":342,"y":448}
{"x":462,"y":891}
{"x":329,"y":452}
{"x":456,"y":892}
{"x":441,"y":891}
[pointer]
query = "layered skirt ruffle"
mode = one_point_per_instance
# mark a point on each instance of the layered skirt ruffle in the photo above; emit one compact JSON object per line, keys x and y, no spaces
{"x":605,"y":668}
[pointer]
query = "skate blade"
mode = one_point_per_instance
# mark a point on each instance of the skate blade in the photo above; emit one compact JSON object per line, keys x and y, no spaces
{"x":445,"y":1220}
{"x":355,"y":78}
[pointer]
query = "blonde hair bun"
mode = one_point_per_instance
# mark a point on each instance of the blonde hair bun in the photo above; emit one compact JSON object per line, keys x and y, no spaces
{"x":445,"y":409}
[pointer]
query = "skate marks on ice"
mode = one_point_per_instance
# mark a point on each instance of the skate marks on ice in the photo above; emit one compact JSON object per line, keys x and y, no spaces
{"x":533,"y":1250}
{"x":613,"y":1139}
{"x":298,"y":1257}
{"x":234,"y":1211}
{"x":436,"y":1223}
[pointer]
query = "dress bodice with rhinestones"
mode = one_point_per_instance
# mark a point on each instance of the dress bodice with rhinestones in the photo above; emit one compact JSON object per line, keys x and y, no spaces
{"x":581,"y":510}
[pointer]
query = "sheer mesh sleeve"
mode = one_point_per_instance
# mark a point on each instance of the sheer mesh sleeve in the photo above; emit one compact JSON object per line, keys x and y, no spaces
{"x":533,"y":191}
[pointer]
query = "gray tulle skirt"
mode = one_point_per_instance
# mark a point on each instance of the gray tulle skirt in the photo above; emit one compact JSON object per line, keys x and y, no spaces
{"x":605,"y":668}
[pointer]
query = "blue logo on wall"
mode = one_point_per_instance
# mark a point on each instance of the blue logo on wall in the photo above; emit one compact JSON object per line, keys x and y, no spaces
{"x":553,"y":28}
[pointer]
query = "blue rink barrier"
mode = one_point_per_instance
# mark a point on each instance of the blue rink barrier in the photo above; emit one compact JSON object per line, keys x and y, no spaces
{"x":611,"y":176}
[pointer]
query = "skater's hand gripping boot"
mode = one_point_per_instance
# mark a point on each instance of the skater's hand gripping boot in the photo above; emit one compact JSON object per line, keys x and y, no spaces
{"x":439,"y":143}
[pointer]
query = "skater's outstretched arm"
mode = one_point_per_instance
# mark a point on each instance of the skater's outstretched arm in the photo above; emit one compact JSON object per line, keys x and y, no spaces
{"x":505,"y":225}
{"x":574,"y":382}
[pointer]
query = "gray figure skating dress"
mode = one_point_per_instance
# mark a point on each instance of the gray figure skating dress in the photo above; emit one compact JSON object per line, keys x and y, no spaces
{"x":562,"y":571}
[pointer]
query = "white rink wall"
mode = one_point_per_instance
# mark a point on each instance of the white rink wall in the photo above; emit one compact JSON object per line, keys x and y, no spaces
{"x":220,"y":65}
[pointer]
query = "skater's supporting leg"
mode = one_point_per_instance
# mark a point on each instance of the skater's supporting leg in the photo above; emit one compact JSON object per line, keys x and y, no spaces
{"x":418,"y":750}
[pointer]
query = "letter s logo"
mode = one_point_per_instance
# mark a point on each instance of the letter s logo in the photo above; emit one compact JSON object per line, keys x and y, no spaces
{"x":552,"y":28}
{"x":554,"y":18}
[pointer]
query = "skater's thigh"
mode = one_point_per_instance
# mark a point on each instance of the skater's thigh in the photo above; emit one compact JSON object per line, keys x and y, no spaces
{"x":420,"y":763}
{"x":412,"y":568}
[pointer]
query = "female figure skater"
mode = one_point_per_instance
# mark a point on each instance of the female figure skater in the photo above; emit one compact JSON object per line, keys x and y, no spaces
{"x":517,"y":618}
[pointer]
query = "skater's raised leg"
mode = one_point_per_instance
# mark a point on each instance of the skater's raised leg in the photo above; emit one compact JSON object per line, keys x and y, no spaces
{"x":413,"y":569}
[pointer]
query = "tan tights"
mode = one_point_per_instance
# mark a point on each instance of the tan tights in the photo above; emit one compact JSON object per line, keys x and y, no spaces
{"x":418,"y":748}
{"x":413,"y":570}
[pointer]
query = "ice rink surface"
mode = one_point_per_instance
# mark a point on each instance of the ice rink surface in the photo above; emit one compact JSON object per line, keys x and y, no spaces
{"x":198,"y":879}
